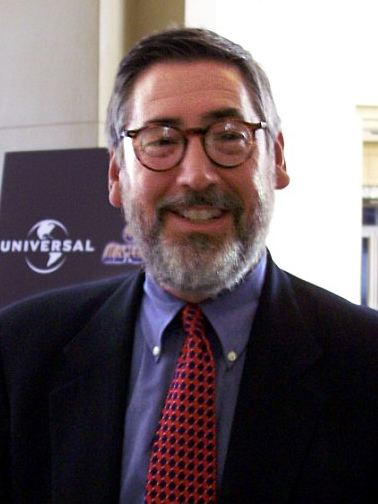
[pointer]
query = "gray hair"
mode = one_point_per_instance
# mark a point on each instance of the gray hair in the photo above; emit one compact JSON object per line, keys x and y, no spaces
{"x":186,"y":45}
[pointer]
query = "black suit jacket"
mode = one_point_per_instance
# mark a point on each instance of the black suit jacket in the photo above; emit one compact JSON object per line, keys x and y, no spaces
{"x":306,"y":422}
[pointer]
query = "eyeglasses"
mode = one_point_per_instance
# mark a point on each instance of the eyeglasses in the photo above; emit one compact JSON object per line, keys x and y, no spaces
{"x":227,"y":143}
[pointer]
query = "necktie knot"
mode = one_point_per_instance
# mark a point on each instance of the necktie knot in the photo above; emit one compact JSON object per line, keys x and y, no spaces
{"x":192,"y":317}
{"x":193,"y":322}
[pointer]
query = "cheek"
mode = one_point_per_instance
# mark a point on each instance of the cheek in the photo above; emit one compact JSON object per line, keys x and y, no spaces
{"x":263,"y":175}
{"x":145,"y":188}
{"x":254,"y":185}
{"x":133,"y":175}
{"x":243,"y":185}
{"x":129,"y":163}
{"x":125,"y":184}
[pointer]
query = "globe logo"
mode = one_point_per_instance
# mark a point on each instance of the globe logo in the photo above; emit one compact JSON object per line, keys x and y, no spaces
{"x":46,"y":246}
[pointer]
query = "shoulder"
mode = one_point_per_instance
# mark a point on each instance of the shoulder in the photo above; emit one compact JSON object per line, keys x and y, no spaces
{"x":315,"y":304}
{"x":347,"y":333}
{"x":339,"y":327}
{"x":66,"y":297}
{"x":66,"y":309}
{"x":344,"y":334}
{"x":323,"y":305}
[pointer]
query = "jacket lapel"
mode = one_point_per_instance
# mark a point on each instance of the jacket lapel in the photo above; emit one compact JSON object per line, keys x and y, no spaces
{"x":279,"y":400}
{"x":87,"y":410}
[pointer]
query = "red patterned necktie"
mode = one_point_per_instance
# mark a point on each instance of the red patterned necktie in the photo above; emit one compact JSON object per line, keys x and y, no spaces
{"x":183,"y":458}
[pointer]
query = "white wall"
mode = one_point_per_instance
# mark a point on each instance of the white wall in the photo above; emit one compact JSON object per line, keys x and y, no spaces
{"x":320,"y":57}
{"x":49,"y":59}
{"x":58,"y":61}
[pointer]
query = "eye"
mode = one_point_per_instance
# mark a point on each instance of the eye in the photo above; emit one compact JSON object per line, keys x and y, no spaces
{"x":229,"y":132}
{"x":229,"y":136}
{"x":159,"y":141}
{"x":229,"y":142}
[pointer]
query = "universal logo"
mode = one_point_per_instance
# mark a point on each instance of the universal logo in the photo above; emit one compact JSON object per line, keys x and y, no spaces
{"x":46,"y":246}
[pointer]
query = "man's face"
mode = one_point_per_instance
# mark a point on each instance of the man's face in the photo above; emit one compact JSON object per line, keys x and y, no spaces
{"x":200,"y":227}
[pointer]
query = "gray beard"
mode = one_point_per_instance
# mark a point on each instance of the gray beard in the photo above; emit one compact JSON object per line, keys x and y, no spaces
{"x":197,"y":263}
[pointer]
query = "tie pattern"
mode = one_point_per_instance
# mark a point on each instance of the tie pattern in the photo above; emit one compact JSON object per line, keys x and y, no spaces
{"x":183,"y":459}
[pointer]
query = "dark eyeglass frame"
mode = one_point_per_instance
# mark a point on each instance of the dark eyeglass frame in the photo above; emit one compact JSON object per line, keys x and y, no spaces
{"x":185,"y":134}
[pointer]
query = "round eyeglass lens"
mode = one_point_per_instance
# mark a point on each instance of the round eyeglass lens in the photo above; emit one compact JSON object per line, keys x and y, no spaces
{"x":229,"y":143}
{"x":159,"y":147}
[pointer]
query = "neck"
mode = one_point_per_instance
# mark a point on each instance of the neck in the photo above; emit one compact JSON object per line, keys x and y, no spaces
{"x":190,"y":297}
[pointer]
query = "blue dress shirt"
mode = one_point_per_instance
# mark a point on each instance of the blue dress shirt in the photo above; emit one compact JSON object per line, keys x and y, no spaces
{"x":158,"y":341}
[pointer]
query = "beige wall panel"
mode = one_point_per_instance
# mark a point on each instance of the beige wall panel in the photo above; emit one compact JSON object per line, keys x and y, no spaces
{"x":51,"y":52}
{"x":49,"y":79}
{"x":370,"y":171}
{"x":147,"y":16}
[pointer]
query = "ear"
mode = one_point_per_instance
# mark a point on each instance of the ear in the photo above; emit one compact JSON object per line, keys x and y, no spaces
{"x":114,"y":183}
{"x":282,"y":178}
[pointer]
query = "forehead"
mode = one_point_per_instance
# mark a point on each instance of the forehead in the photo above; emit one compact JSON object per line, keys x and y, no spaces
{"x":188,"y":92}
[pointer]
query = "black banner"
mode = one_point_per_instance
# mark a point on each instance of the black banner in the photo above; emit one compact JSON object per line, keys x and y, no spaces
{"x":57,"y":226}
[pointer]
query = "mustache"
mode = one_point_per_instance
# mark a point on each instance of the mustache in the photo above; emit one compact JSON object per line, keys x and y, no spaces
{"x":208,"y":197}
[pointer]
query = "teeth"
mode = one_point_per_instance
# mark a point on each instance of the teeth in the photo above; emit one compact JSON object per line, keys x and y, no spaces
{"x":200,"y":214}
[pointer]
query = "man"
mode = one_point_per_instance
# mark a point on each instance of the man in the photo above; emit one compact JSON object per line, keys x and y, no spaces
{"x":196,"y":153}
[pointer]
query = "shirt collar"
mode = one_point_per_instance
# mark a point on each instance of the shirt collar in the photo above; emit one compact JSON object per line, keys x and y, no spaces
{"x":231,"y":313}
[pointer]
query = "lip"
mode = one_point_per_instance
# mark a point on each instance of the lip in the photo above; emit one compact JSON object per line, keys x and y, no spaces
{"x":200,"y":214}
{"x":205,"y":219}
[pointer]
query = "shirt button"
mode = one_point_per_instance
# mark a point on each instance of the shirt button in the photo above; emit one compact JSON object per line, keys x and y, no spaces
{"x":232,"y":356}
{"x":156,"y":351}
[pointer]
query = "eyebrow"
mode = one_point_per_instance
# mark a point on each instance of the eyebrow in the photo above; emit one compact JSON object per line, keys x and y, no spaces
{"x":222,"y":114}
{"x":213,"y":115}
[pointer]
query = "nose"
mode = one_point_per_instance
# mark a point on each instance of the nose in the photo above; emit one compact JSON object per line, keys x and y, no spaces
{"x":196,"y":170}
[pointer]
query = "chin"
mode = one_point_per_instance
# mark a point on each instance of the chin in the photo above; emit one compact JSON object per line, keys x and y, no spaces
{"x":201,"y":266}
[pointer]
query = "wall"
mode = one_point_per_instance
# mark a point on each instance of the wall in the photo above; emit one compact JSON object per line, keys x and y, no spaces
{"x":123,"y":23}
{"x":319,"y":57}
{"x":49,"y":78}
{"x":58,"y":61}
{"x":147,"y":16}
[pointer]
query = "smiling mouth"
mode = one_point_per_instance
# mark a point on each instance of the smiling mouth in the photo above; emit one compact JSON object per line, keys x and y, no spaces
{"x":201,"y":207}
{"x":200,"y":214}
